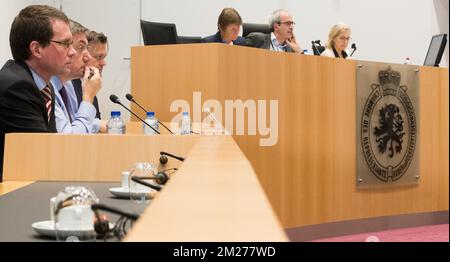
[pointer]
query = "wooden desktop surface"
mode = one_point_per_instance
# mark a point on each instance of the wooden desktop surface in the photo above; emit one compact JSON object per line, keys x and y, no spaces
{"x":214,"y":196}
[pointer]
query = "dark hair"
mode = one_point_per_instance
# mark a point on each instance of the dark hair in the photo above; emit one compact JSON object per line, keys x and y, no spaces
{"x":227,"y":17}
{"x":94,"y":37}
{"x":33,"y":23}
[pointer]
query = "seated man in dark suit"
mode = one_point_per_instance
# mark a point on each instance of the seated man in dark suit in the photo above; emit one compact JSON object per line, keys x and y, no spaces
{"x":282,"y":38}
{"x":98,"y":50}
{"x":229,"y":26}
{"x":41,"y":44}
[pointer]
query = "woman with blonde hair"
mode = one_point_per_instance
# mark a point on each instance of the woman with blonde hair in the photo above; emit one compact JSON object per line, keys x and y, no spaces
{"x":338,"y":40}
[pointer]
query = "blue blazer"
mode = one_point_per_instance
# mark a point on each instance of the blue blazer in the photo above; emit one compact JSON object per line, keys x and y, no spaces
{"x":217,"y":38}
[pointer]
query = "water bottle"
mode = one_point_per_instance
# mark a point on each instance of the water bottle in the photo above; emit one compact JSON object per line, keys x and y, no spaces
{"x":115,"y":124}
{"x":151,"y":120}
{"x":185,"y":124}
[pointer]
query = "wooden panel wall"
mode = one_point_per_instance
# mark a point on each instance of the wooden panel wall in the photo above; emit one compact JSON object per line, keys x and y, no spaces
{"x":309,"y":175}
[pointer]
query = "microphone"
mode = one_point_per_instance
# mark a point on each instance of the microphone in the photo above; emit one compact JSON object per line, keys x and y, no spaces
{"x":163,"y":157}
{"x":116,"y":100}
{"x":101,"y":225}
{"x":354,"y":49}
{"x":207,"y":110}
{"x":140,"y":180}
{"x":131,"y":99}
{"x":131,"y":216}
{"x":314,"y":47}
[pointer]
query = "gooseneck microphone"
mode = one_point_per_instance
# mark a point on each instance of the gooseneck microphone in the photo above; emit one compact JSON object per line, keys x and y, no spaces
{"x":163,"y":157}
{"x":131,"y":99}
{"x":131,"y":216}
{"x":116,"y":100}
{"x":354,"y":49}
{"x":315,"y":49}
{"x":140,"y":180}
{"x":211,"y":115}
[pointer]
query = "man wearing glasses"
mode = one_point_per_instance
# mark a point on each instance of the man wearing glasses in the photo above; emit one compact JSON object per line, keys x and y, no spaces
{"x":281,"y":38}
{"x":98,"y":50}
{"x":40,"y":45}
{"x":73,"y":117}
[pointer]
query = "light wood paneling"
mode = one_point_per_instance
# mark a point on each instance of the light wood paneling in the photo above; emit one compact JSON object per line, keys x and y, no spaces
{"x":9,"y":186}
{"x":85,"y":157}
{"x":136,"y":128}
{"x":214,"y":196}
{"x":309,"y":175}
{"x":434,"y":127}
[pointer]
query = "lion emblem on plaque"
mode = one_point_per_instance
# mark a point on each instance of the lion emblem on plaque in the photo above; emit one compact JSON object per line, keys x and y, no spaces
{"x":388,"y":128}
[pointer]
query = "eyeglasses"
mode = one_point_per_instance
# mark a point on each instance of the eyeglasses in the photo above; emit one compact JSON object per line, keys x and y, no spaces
{"x":66,"y":43}
{"x":344,"y":38}
{"x":288,"y":23}
{"x":80,"y":48}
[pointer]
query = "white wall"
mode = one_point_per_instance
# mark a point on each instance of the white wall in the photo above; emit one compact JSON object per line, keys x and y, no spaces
{"x":384,"y":30}
{"x":119,"y":21}
{"x":9,"y":9}
{"x":439,"y":23}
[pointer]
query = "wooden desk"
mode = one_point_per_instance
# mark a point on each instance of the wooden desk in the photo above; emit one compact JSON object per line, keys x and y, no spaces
{"x":60,"y":157}
{"x":215,"y":196}
{"x":9,"y":186}
{"x":309,"y":175}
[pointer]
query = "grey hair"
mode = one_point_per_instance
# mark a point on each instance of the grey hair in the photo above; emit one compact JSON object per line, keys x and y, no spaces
{"x":76,"y":28}
{"x":275,"y":18}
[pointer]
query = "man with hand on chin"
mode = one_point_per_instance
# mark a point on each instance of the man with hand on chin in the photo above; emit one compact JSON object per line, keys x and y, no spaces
{"x":281,"y":38}
{"x":71,"y":117}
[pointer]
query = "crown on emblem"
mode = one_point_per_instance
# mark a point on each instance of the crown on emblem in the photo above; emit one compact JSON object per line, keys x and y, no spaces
{"x":389,"y":76}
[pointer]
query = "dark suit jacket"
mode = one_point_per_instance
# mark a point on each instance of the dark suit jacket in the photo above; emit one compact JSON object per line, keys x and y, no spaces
{"x":79,"y":92}
{"x":22,"y":107}
{"x":260,"y":40}
{"x":217,"y":38}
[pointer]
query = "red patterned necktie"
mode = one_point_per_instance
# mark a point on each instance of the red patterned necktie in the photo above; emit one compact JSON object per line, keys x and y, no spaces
{"x":47,"y":94}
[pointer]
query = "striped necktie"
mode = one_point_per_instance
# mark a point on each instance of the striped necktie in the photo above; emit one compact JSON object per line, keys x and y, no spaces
{"x":47,"y":94}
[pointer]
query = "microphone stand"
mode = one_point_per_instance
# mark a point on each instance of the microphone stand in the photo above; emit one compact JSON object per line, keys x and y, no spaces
{"x":118,"y":102}
{"x":315,"y":48}
{"x":354,"y":49}
{"x":132,"y":100}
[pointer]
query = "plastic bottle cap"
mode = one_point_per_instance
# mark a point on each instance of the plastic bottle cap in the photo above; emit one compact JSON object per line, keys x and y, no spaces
{"x":115,"y":113}
{"x":150,"y":114}
{"x":185,"y":113}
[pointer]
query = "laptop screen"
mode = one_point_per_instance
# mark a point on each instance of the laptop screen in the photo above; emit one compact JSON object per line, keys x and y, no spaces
{"x":436,"y":50}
